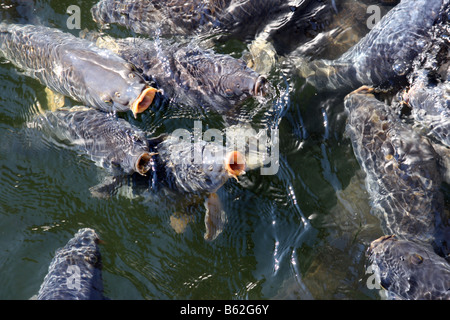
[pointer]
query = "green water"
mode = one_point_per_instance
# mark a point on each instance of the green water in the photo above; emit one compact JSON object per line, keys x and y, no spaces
{"x":299,"y":234}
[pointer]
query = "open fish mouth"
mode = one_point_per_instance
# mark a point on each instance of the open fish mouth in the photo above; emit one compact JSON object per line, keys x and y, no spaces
{"x":143,"y":163}
{"x":143,"y":101}
{"x":261,"y":87}
{"x":235,"y":164}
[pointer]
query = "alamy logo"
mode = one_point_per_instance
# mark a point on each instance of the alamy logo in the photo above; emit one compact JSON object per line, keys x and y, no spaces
{"x":73,"y":280}
{"x":74,"y":21}
{"x":261,"y":149}
{"x":375,"y":17}
{"x":373,"y":281}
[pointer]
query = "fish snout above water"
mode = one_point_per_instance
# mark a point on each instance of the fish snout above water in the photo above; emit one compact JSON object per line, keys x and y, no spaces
{"x":191,"y":75}
{"x":198,"y":167}
{"x":240,"y":86}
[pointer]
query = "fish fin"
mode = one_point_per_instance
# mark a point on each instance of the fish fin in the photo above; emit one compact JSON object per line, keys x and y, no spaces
{"x":262,"y":56}
{"x":54,"y":100}
{"x":215,"y":217}
{"x":179,"y":221}
{"x":106,"y":188}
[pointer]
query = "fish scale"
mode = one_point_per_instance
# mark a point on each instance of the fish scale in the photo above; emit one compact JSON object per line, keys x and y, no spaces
{"x":194,"y":76}
{"x":75,"y":67}
{"x":108,"y":140}
{"x":404,"y":181}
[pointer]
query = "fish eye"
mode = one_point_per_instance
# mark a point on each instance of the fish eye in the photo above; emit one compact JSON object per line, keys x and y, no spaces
{"x":416,"y":259}
{"x":131,"y":75}
{"x":117,"y":94}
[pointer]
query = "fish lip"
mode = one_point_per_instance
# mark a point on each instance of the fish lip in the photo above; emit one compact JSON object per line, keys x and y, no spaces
{"x":235,"y":164}
{"x":260,"y":88}
{"x":378,"y":241}
{"x":141,"y":165}
{"x":144,"y":100}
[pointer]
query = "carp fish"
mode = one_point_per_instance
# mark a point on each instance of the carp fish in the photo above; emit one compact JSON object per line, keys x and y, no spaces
{"x":76,"y":68}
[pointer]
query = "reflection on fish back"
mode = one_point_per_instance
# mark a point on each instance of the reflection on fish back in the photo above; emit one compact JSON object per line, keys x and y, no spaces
{"x":72,"y":66}
{"x":403,"y":177}
{"x":409,"y":270}
{"x":191,"y":75}
{"x":111,"y":142}
{"x":384,"y":56}
{"x":75,"y":271}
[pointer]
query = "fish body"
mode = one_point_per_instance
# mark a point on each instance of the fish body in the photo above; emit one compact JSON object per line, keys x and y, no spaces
{"x":409,"y":270}
{"x":75,"y":271}
{"x":75,"y":67}
{"x":190,"y":75}
{"x":385,"y":55}
{"x":111,"y":142}
{"x":402,"y":172}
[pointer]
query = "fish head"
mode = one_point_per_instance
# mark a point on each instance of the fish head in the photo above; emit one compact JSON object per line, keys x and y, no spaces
{"x":407,"y":269}
{"x":112,"y":84}
{"x":359,"y":97}
{"x":239,"y":82}
{"x":133,"y":94}
{"x":201,"y":167}
{"x":224,"y":80}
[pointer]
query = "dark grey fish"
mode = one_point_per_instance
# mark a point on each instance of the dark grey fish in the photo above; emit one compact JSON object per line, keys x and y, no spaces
{"x":402,"y":173}
{"x":197,"y":167}
{"x":163,"y":165}
{"x":190,"y":75}
{"x":385,"y":55}
{"x":75,"y":271}
{"x":111,"y":142}
{"x":76,"y":68}
{"x":179,"y":17}
{"x":409,"y":270}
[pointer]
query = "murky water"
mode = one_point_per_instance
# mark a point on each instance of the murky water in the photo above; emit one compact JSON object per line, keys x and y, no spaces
{"x":299,"y":234}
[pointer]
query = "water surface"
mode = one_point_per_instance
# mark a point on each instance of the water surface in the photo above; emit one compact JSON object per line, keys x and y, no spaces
{"x":298,"y":234}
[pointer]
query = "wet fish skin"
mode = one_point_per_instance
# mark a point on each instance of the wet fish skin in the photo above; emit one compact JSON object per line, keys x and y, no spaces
{"x":111,"y":142}
{"x":384,"y":56}
{"x":71,"y":66}
{"x":192,"y":75}
{"x":143,"y":16}
{"x":402,"y":173}
{"x":240,"y":18}
{"x":430,"y":104}
{"x":75,"y":271}
{"x":192,"y":167}
{"x":409,"y":270}
{"x":115,"y":144}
